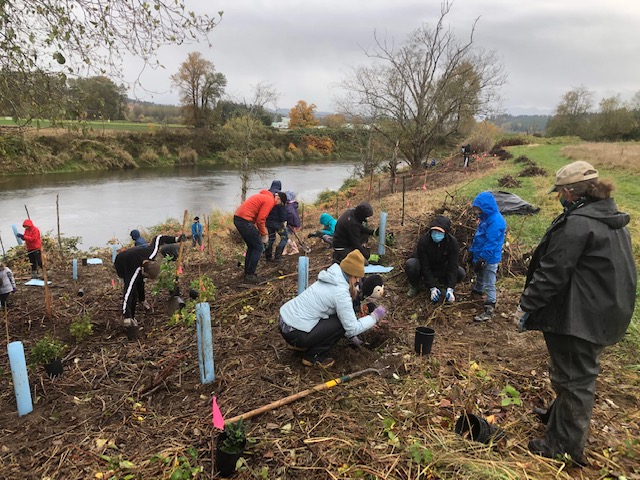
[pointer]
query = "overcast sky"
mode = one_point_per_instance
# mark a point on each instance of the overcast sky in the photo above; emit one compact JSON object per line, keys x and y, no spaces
{"x":305,"y":48}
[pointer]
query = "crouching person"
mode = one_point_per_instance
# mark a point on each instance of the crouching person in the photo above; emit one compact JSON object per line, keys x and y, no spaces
{"x":315,"y":320}
{"x":435,"y":262}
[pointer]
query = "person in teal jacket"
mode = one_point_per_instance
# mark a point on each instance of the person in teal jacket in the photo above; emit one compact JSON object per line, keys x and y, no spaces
{"x":486,"y":250}
{"x":326,"y":233}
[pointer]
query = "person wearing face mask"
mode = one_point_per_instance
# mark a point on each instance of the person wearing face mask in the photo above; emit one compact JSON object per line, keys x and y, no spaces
{"x":314,"y":321}
{"x":435,"y":262}
{"x":580,"y":292}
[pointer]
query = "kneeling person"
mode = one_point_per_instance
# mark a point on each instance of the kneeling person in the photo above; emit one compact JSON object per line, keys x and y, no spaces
{"x":315,"y":320}
{"x":434,"y":260}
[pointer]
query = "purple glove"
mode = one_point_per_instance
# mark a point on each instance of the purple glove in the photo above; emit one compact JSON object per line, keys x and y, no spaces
{"x":15,"y":289}
{"x":379,"y":313}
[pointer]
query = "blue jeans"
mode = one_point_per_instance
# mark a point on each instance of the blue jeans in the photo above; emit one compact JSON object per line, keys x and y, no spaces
{"x":252,"y":238}
{"x":486,"y":282}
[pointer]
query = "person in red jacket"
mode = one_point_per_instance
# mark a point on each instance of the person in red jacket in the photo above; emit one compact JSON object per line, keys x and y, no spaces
{"x":249,"y":219}
{"x":31,"y":237}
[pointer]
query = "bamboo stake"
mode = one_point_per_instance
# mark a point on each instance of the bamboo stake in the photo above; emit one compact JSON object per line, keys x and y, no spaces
{"x":27,"y":210}
{"x":58,"y":219}
{"x":4,"y":254}
{"x":47,"y":294}
{"x":6,"y":321}
{"x":299,"y":395}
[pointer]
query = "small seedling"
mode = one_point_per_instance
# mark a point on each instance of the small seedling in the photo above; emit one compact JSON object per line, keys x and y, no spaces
{"x":235,"y":437}
{"x":510,"y":396}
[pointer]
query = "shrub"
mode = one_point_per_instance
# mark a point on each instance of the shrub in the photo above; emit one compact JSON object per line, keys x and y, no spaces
{"x":149,"y":155}
{"x":47,"y":349}
{"x":187,"y":156}
{"x":81,"y":328}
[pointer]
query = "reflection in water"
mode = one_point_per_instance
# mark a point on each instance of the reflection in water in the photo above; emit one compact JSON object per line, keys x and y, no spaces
{"x":98,"y":206}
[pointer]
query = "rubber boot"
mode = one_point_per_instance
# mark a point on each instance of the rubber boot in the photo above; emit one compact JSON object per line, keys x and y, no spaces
{"x":34,"y":273}
{"x":487,"y":314}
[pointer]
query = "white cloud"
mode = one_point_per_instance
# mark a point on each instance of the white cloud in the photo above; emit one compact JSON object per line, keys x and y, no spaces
{"x":306,"y":47}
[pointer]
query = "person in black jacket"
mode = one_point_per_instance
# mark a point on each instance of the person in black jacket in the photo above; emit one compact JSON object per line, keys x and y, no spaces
{"x":275,"y":224}
{"x":135,"y":264}
{"x":580,"y":292}
{"x":352,"y":232}
{"x":435,"y":260}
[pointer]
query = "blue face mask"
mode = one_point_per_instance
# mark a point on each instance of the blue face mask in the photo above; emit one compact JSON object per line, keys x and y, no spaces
{"x":566,"y":203}
{"x":437,"y":236}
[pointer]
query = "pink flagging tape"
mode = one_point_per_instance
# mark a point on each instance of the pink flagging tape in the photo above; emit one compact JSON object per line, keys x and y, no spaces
{"x":218,"y":421}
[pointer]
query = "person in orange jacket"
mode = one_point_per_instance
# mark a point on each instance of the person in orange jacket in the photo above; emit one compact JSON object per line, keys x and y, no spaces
{"x":31,"y":237}
{"x":249,"y":219}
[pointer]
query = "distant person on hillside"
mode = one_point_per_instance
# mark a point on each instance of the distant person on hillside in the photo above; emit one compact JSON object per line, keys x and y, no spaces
{"x":435,"y":261}
{"x":275,"y":224}
{"x":7,"y":284}
{"x":133,"y":265}
{"x":580,"y":291}
{"x":326,"y":233}
{"x":137,"y":239}
{"x":33,"y":243}
{"x":196,"y":232}
{"x":352,"y":232}
{"x":249,"y":219}
{"x":466,"y":153}
{"x":486,"y":251}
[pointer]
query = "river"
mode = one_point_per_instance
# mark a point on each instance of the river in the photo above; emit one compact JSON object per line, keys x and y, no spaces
{"x":99,"y":206}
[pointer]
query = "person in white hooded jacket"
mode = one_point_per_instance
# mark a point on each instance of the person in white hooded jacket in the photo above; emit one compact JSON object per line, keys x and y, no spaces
{"x":314,"y":321}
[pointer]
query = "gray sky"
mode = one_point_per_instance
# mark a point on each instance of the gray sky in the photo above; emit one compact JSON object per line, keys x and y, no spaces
{"x":306,"y":47}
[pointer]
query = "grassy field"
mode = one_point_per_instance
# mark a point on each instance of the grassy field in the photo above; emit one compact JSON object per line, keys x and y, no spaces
{"x":96,"y":125}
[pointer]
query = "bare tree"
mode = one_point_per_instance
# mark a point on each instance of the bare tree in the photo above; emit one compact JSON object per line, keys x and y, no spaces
{"x":246,"y":132}
{"x":428,"y":89}
{"x":572,"y":113}
{"x":200,"y":87}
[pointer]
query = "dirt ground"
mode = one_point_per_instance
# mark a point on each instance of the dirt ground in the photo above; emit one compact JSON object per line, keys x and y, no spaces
{"x":137,"y":409}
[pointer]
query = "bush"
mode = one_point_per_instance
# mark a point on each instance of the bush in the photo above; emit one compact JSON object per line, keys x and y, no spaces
{"x":46,"y":350}
{"x":187,"y":156}
{"x":149,"y":155}
{"x":81,"y":328}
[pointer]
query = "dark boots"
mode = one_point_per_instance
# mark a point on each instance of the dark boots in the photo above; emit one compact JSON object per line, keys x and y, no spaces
{"x":487,"y":314}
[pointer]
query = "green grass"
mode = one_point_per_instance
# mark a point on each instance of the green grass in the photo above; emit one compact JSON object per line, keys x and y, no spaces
{"x":99,"y":125}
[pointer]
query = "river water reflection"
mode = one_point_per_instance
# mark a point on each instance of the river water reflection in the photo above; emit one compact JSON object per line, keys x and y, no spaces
{"x":98,"y":206}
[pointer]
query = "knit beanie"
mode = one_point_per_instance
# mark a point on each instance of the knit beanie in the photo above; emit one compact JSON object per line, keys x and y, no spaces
{"x":353,"y":264}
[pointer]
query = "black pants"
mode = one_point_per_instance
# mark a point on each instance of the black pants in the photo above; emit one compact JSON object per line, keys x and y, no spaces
{"x":413,"y":270}
{"x":35,"y":257}
{"x":251,"y":237}
{"x":318,"y":341}
{"x":133,"y":293}
{"x":573,"y":369}
{"x":272,"y":231}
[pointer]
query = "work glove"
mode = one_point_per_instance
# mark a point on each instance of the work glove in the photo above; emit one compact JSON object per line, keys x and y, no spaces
{"x":449,"y":296}
{"x":20,"y":236}
{"x":15,"y":289}
{"x":317,"y":233}
{"x":379,"y":313}
{"x":519,"y":318}
{"x":435,"y":294}
{"x":374,"y":257}
{"x":479,"y":265}
{"x":355,"y":340}
{"x":264,"y":239}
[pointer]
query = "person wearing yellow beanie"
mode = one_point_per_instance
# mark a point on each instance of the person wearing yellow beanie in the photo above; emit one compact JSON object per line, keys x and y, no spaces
{"x":314,"y":321}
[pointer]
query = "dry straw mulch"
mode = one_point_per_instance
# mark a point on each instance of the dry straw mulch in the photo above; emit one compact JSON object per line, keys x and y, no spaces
{"x":138,"y":410}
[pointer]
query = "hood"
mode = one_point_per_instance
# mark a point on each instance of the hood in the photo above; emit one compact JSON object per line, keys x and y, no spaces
{"x":27,"y":223}
{"x":363,"y":211}
{"x":485,"y":202}
{"x":276,"y":186}
{"x":332,"y":275}
{"x":604,"y":211}
{"x":326,"y":219}
{"x":135,"y":234}
{"x":291,"y":196}
{"x":442,"y":222}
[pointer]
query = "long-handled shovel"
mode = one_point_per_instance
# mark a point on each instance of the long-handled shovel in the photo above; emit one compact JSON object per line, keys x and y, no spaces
{"x":304,"y":393}
{"x":304,"y":246}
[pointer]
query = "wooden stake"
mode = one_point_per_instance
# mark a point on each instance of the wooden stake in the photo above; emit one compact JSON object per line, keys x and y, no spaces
{"x":47,"y":294}
{"x":4,"y":254}
{"x":58,"y":218}
{"x":184,"y":226}
{"x":6,"y":320}
{"x":27,"y":210}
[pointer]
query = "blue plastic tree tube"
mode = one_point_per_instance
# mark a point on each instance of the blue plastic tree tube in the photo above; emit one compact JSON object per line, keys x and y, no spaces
{"x":15,"y":232}
{"x":74,"y":265}
{"x":382,"y":233}
{"x":20,"y":378}
{"x":205,"y":342}
{"x":303,"y":273}
{"x":114,"y":252}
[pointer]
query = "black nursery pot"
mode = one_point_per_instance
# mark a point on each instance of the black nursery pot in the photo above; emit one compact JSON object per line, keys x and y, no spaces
{"x":478,"y":429}
{"x":54,"y":368}
{"x":226,"y":462}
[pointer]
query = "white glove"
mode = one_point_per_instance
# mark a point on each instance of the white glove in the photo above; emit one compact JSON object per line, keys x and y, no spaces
{"x":264,"y":238}
{"x":449,"y":296}
{"x":519,"y":318}
{"x":435,"y":294}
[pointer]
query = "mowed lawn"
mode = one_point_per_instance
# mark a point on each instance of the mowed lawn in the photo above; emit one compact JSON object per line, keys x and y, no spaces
{"x":95,"y":125}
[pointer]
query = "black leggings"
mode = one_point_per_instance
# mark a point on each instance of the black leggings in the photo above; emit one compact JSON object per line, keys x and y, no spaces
{"x":318,"y":341}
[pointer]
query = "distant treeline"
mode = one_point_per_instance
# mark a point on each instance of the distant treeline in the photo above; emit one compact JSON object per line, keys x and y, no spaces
{"x":530,"y":124}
